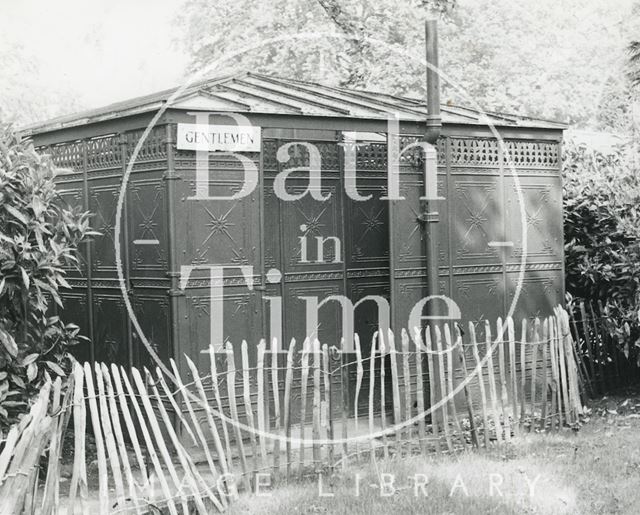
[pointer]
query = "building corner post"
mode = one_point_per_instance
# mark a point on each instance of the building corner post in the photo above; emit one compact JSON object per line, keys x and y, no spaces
{"x":173,"y":272}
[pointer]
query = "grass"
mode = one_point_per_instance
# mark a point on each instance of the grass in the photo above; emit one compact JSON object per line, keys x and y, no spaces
{"x":596,"y":470}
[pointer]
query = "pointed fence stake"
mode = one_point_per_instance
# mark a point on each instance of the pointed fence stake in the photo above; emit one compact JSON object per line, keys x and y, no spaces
{"x":306,"y":348}
{"x":395,"y":387}
{"x":198,"y":427}
{"x":383,"y":401}
{"x":248,"y":406}
{"x":226,"y":461}
{"x":523,"y":372}
{"x":452,"y":403}
{"x":545,"y":374}
{"x":483,"y":393}
{"x":534,"y":371}
{"x":150,"y":447}
{"x":159,"y":439}
{"x":513,"y":375}
{"x":432,"y":389}
{"x":277,"y":421}
{"x":406,"y":373}
{"x":261,"y":405}
{"x":79,"y":475}
{"x":213,"y":367}
{"x":422,"y":435}
{"x":287,"y":404}
{"x":326,"y":410}
{"x":372,"y":376}
{"x":103,"y":474}
{"x":359,"y":374}
{"x":504,"y":396}
{"x":467,"y":395}
{"x":233,"y":408}
{"x":442,"y":379}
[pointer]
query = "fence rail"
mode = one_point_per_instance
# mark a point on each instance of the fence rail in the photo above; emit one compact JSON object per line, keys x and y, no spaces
{"x":195,"y":444}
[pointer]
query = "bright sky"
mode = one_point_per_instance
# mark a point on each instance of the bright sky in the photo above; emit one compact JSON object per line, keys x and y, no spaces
{"x":102,"y":50}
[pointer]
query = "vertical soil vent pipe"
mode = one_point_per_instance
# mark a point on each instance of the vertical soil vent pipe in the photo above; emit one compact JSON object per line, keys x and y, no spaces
{"x":434,"y":121}
{"x":432,"y":132}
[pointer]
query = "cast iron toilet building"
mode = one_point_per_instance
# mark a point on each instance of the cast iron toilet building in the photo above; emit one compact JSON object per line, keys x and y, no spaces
{"x":166,"y":227}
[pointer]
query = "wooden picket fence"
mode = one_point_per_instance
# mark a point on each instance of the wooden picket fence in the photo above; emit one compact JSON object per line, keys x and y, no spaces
{"x":607,"y":353}
{"x":183,"y":448}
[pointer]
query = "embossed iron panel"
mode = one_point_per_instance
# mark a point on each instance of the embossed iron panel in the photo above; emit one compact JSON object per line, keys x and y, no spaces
{"x":382,"y":245}
{"x":223,"y":232}
{"x":92,"y":178}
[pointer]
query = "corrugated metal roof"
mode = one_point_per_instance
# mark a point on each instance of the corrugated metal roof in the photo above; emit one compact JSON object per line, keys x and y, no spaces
{"x":256,"y":93}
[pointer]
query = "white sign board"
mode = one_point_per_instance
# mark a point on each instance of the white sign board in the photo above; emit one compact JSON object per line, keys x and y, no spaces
{"x":229,"y":138}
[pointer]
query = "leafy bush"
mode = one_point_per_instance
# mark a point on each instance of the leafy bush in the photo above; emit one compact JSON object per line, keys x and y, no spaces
{"x":602,"y":232}
{"x":39,"y":236}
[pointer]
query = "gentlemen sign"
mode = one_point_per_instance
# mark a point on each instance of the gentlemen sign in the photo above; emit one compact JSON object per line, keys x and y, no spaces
{"x":230,"y":138}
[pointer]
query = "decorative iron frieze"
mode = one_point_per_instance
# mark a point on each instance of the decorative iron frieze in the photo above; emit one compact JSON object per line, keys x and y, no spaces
{"x":104,"y":152}
{"x":532,"y":154}
{"x":474,"y":152}
{"x":68,"y":155}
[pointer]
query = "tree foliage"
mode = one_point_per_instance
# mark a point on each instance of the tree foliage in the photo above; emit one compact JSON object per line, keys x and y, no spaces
{"x":602,"y":231}
{"x":39,"y":236}
{"x":24,"y":98}
{"x":547,"y":58}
